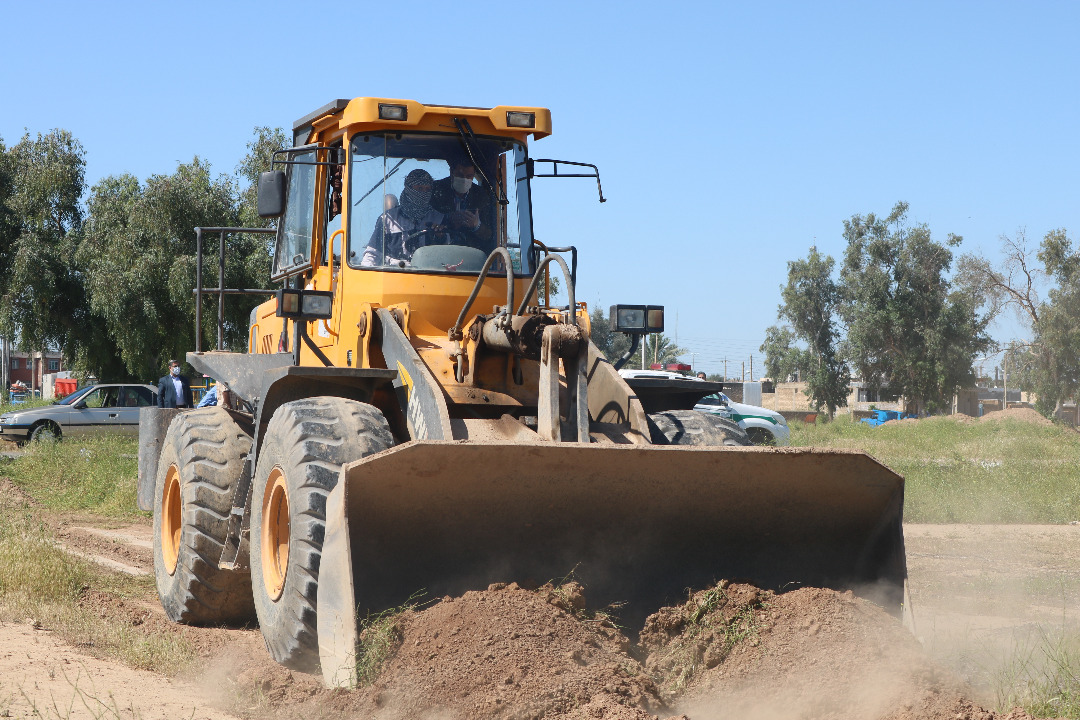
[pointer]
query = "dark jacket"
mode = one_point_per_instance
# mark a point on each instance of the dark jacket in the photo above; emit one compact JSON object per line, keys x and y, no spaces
{"x":477,"y":200}
{"x":166,"y":392}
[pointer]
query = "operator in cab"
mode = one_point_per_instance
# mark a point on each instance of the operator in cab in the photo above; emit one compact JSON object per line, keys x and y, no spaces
{"x":466,"y":205}
{"x":409,"y":225}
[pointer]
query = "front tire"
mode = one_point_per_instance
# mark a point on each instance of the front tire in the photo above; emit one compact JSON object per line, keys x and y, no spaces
{"x":201,"y":460}
{"x":45,"y":430}
{"x":306,"y":443}
{"x":761,"y":436}
{"x":690,"y":427}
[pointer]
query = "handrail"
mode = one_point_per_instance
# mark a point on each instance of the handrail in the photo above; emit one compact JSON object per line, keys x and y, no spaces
{"x":220,"y":290}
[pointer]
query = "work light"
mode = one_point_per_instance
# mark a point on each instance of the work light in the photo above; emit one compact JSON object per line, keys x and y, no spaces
{"x":305,"y":304}
{"x":637,"y":319}
{"x":393,"y":112}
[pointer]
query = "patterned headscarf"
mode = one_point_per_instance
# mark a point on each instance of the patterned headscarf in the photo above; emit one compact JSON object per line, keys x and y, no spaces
{"x":415,"y":204}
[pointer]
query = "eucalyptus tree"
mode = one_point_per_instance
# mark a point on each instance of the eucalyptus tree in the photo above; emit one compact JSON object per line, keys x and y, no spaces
{"x":811,"y":301}
{"x":908,"y":327}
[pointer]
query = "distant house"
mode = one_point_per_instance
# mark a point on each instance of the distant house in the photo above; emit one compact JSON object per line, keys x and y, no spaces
{"x":28,"y":368}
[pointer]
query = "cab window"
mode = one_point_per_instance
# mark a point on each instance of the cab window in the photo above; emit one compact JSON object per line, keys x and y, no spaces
{"x":434,"y":203}
{"x":293,"y":249}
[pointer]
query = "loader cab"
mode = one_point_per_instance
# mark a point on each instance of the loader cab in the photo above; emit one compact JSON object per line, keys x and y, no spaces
{"x":394,"y":228}
{"x":374,"y":222}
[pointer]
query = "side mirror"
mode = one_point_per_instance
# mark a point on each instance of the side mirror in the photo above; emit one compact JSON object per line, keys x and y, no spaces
{"x":81,"y":405}
{"x":272,"y":194}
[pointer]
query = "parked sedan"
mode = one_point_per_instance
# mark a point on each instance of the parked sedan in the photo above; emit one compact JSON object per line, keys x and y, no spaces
{"x":112,"y":408}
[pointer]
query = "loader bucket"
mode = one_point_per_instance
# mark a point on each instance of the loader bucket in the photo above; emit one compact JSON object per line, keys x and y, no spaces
{"x":634,"y":524}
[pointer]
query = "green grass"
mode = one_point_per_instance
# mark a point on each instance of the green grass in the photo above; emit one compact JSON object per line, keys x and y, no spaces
{"x":1004,"y":471}
{"x":707,"y":636}
{"x":97,"y":475}
{"x":33,"y":570}
{"x":41,"y":582}
{"x":1041,"y":675}
{"x":36,"y":402}
{"x":380,"y":636}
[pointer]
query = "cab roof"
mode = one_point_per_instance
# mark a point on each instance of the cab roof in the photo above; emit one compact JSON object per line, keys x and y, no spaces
{"x":374,"y":114}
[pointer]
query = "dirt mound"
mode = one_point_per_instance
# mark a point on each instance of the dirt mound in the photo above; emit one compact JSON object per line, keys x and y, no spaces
{"x":1021,"y":414}
{"x":507,"y":653}
{"x":809,"y":653}
{"x":731,"y":651}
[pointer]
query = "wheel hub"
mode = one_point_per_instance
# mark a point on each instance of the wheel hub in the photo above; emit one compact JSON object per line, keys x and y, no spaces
{"x":171,"y":520}
{"x":275,"y":534}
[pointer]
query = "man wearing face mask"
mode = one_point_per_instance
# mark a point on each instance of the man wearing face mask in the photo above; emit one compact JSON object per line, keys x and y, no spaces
{"x":174,"y":390}
{"x":467,"y":206}
{"x":411,"y":224}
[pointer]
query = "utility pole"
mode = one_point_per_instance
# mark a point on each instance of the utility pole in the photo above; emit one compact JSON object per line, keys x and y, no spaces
{"x":1005,"y":381}
{"x":751,"y":368}
{"x":725,"y":367}
{"x":5,"y":372}
{"x":744,"y":372}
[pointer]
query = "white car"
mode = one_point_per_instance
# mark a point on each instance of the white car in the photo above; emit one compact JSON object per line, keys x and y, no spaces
{"x":92,"y":410}
{"x":765,"y":427}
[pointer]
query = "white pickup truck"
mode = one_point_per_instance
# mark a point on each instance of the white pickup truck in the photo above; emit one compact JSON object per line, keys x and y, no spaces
{"x":763,"y":426}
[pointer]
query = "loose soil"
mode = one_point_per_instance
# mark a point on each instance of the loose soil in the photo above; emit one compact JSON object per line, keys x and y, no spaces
{"x":978,"y":593}
{"x":1021,"y":414}
{"x":509,"y":652}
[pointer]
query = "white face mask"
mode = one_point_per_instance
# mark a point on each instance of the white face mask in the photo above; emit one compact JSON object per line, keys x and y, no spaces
{"x":461,"y":185}
{"x":174,"y":370}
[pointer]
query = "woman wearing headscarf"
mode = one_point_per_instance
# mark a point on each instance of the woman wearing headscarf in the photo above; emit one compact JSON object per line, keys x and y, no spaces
{"x":402,"y":229}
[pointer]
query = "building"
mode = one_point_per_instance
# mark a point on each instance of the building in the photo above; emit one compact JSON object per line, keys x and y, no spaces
{"x":28,"y":368}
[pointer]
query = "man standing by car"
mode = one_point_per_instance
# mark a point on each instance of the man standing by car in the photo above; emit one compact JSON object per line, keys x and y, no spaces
{"x":174,"y":390}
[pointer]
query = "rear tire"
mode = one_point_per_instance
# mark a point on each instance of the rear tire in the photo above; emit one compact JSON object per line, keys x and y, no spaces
{"x":306,"y":443}
{"x":201,"y":460}
{"x":690,"y":427}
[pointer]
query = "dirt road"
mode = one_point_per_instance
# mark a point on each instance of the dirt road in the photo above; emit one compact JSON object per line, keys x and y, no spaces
{"x":981,"y":595}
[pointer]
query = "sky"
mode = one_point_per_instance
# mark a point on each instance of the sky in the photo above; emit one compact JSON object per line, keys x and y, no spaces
{"x":730,"y":137}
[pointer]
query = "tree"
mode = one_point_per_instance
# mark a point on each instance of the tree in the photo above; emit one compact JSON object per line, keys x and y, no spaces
{"x":112,"y":289}
{"x":783,"y":359}
{"x":907,"y":327}
{"x":258,"y":160}
{"x":43,"y":301}
{"x":139,"y":253}
{"x":8,"y":234}
{"x":612,"y":344}
{"x":658,"y":348}
{"x":1050,"y":363}
{"x":811,"y":300}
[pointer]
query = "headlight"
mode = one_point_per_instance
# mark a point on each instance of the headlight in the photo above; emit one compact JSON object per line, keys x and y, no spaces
{"x":783,"y":421}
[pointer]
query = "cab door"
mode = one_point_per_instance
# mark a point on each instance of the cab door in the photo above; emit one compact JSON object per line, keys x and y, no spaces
{"x":292,"y":252}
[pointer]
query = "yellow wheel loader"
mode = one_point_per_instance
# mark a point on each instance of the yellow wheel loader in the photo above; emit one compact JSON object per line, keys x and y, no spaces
{"x":414,"y":415}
